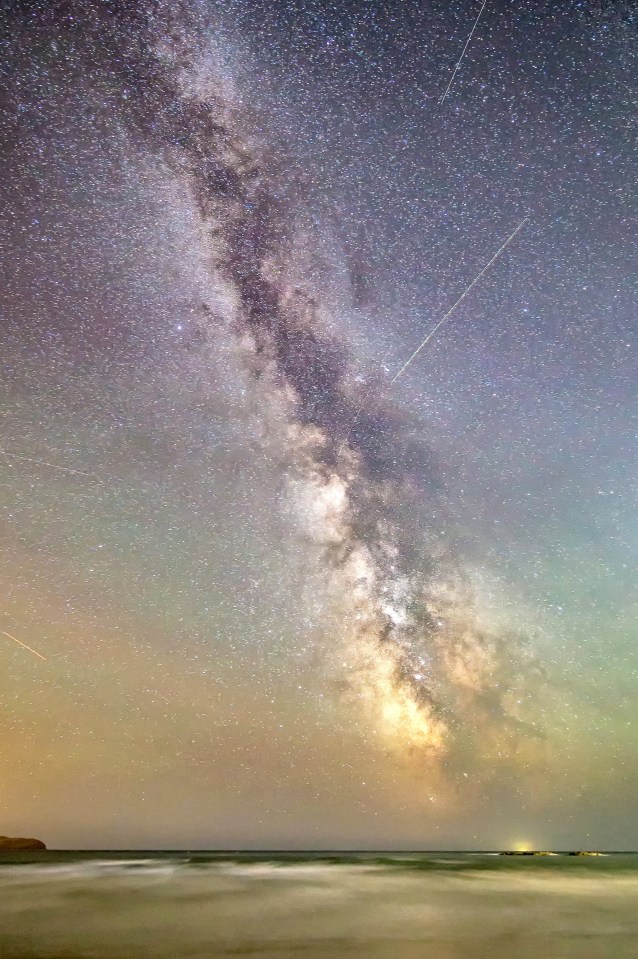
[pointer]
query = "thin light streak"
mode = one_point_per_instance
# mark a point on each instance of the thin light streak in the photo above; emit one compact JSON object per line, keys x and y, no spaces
{"x":460,"y":299}
{"x":467,"y":43}
{"x":20,"y":643}
{"x":53,"y":466}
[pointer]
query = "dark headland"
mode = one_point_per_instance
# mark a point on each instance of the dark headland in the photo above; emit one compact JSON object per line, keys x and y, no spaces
{"x":8,"y":843}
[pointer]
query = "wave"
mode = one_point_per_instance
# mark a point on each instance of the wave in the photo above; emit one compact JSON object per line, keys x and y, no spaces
{"x":386,"y":906}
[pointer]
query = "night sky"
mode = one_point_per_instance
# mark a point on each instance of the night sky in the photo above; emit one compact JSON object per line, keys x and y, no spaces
{"x":270,"y":597}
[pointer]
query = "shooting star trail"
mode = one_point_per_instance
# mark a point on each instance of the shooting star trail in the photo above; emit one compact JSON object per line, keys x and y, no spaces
{"x":467,"y":43}
{"x":53,"y":466}
{"x":35,"y":653}
{"x":369,"y":392}
{"x":460,"y":299}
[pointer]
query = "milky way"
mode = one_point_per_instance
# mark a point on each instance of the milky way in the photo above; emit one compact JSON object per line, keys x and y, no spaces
{"x":412,"y":648}
{"x":409,"y":643}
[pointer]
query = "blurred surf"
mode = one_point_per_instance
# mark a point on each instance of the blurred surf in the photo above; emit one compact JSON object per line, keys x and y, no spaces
{"x":67,"y":905}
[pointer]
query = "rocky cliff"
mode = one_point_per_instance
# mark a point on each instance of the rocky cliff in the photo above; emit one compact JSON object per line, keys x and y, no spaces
{"x":6,"y":842}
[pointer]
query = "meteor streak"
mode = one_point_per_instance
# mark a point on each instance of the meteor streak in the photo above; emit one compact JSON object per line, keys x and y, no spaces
{"x":460,"y":299}
{"x":53,"y":466}
{"x":368,"y":394}
{"x":5,"y":633}
{"x":467,"y":43}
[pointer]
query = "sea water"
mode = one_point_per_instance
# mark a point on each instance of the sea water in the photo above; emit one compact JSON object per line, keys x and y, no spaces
{"x":72,"y":905}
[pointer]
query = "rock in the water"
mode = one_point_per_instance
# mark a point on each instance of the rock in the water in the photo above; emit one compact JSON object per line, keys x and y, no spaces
{"x":527,"y":852}
{"x":6,"y":842}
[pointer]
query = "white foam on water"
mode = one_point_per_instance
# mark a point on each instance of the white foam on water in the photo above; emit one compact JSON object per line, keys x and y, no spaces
{"x":268,"y":910}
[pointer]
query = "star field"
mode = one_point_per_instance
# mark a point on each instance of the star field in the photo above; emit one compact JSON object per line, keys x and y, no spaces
{"x":282,"y":600}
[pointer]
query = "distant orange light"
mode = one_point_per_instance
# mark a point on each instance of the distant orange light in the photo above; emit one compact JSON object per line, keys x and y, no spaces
{"x":523,"y":847}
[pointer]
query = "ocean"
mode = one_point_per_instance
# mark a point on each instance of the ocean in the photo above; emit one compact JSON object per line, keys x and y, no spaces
{"x":268,"y":905}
